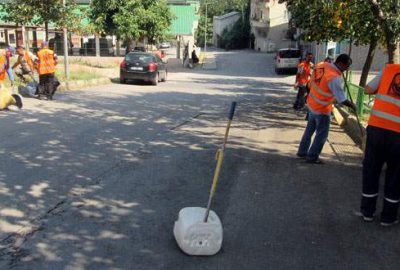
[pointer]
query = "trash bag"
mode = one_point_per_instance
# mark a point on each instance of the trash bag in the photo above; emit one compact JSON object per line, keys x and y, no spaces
{"x":28,"y":90}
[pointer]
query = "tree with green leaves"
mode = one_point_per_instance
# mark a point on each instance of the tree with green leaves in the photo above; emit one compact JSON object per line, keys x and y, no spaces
{"x":338,"y":20}
{"x":132,"y":19}
{"x":387,"y":13}
{"x":41,"y":12}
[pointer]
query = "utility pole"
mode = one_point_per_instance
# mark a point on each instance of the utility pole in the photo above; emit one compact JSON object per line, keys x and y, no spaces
{"x":205,"y":31}
{"x":66,"y":66}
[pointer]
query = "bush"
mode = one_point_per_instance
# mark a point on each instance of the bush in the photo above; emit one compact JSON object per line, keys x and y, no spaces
{"x":236,"y":37}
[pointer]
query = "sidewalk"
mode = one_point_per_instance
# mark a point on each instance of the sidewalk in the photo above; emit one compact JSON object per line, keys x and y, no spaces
{"x":210,"y":62}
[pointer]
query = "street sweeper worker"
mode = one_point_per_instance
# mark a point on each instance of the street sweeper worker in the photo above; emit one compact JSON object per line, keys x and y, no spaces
{"x":304,"y":70}
{"x":26,"y":62}
{"x":383,"y":147}
{"x":8,"y":99}
{"x":326,"y":87}
{"x":46,"y":65}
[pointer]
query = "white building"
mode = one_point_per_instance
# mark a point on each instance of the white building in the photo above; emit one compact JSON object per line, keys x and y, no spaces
{"x":269,"y":25}
{"x":223,"y":22}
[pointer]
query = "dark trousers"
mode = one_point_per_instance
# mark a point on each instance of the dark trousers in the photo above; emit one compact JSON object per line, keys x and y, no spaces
{"x":300,"y":98}
{"x":383,"y":146}
{"x":48,"y":84}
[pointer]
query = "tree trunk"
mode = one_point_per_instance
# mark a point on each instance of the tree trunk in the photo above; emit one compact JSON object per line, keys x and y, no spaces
{"x":368,"y":62}
{"x":391,"y":49}
{"x":46,"y":27}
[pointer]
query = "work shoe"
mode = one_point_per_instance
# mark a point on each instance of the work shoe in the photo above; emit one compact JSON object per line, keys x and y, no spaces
{"x":315,"y":161}
{"x":364,"y":217}
{"x":388,"y":224}
{"x":18,"y":100}
{"x":301,"y":155}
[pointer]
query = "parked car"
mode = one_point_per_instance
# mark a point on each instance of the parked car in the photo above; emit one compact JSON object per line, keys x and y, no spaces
{"x":143,"y":66}
{"x":287,"y":60}
{"x":165,"y":45}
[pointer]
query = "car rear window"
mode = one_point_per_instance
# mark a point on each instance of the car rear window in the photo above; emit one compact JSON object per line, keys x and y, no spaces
{"x":290,"y":54}
{"x":135,"y":57}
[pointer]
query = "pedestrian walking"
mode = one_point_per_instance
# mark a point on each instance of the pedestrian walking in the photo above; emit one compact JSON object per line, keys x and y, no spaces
{"x":304,"y":70}
{"x":326,"y":87}
{"x":26,"y":62}
{"x":383,"y":147}
{"x":46,"y":65}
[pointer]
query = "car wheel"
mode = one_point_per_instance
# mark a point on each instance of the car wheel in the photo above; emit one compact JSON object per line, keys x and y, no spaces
{"x":164,"y":79}
{"x":277,"y":71}
{"x":156,"y":79}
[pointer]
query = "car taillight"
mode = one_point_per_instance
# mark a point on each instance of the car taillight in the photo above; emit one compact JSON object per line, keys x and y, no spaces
{"x":152,"y":67}
{"x":123,"y":64}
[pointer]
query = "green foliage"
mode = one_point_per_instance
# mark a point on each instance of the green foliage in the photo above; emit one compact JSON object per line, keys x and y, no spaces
{"x":236,"y":37}
{"x":132,"y":19}
{"x":334,"y":20}
{"x":217,"y":8}
{"x":43,"y":11}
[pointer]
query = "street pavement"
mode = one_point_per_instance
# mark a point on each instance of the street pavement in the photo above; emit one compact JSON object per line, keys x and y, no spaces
{"x":96,"y":178}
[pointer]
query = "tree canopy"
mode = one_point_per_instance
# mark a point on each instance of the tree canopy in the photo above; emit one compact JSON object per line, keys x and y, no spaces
{"x":132,"y":19}
{"x":40,"y":12}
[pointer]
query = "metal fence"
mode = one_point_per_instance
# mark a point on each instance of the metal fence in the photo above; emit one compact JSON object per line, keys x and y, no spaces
{"x":364,"y":102}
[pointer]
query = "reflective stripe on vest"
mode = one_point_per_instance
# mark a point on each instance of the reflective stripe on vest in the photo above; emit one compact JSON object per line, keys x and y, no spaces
{"x":386,"y":110}
{"x":321,"y":98}
{"x":323,"y":103}
{"x":389,"y":99}
{"x":386,"y":116}
{"x":325,"y":94}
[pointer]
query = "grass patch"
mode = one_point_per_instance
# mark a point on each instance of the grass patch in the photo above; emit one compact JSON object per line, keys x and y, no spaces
{"x":77,"y":73}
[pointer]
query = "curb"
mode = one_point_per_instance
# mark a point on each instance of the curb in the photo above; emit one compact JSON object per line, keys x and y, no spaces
{"x":350,"y":125}
{"x":77,"y":85}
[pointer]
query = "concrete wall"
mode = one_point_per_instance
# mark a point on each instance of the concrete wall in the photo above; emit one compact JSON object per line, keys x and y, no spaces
{"x":220,"y":23}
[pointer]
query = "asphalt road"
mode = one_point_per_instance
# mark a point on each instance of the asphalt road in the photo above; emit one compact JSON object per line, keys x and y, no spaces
{"x":96,"y":178}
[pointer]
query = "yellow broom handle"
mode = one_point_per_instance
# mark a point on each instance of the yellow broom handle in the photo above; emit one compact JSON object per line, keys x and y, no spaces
{"x":220,"y":159}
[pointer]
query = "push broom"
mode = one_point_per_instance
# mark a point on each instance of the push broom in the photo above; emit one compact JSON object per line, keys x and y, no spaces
{"x":360,"y":127}
{"x":198,"y":231}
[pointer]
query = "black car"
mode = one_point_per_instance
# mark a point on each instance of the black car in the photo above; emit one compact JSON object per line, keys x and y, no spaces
{"x":143,"y":66}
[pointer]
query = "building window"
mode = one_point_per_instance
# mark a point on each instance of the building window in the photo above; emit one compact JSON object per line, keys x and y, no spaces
{"x":12,"y":38}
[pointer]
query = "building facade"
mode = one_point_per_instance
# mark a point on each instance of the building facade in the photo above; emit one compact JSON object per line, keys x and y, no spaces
{"x":270,"y":24}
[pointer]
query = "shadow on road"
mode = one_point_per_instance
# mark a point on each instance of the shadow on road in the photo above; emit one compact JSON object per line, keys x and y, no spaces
{"x":97,"y":183}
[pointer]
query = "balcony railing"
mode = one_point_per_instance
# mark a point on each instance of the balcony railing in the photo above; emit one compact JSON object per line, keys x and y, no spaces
{"x":260,"y":23}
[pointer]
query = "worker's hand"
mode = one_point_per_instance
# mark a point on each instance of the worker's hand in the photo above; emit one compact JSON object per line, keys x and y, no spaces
{"x":353,"y":107}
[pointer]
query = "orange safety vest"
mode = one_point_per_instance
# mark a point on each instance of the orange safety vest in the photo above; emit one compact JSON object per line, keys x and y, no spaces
{"x":46,"y":62}
{"x":386,"y":110}
{"x":305,"y":74}
{"x":321,"y":98}
{"x":28,"y":60}
{"x":3,"y":70}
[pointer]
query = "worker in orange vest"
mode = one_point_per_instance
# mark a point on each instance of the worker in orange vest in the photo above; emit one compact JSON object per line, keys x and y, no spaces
{"x":326,"y":87}
{"x":26,"y":62}
{"x":46,"y":66}
{"x":383,"y":146}
{"x":6,"y":97}
{"x":304,"y":70}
